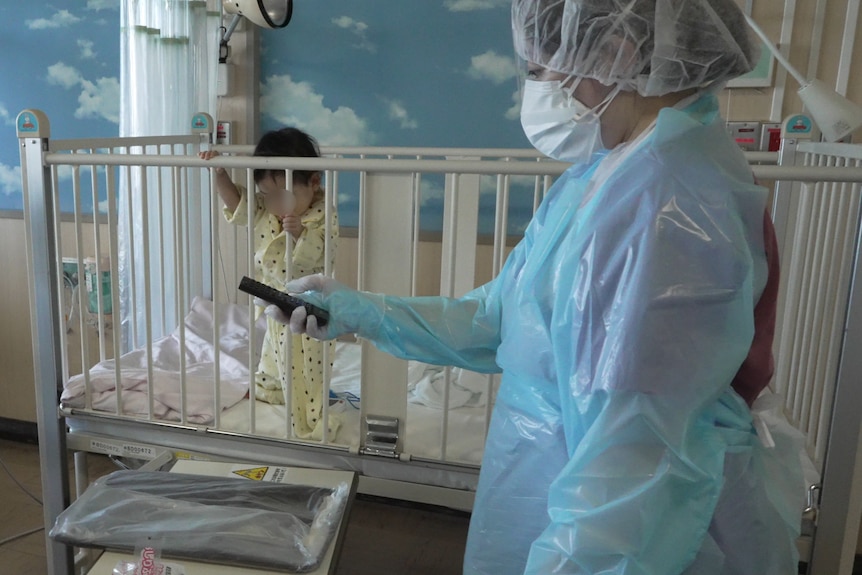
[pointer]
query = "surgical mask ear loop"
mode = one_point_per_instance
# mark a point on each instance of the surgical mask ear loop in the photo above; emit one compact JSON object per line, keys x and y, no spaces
{"x":599,"y":108}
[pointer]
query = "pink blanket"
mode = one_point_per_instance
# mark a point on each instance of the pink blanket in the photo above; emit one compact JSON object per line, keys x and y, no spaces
{"x":199,"y":353}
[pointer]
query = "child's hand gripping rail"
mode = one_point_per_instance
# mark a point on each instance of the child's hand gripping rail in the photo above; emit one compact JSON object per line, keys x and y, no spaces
{"x":286,"y":302}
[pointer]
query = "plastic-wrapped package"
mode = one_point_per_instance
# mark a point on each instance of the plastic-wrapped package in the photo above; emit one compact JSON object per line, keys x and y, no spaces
{"x":205,"y":518}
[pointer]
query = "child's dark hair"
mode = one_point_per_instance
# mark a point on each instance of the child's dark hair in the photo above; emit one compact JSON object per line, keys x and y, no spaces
{"x":286,"y":142}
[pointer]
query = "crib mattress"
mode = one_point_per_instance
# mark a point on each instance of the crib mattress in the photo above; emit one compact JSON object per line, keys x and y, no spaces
{"x":423,"y":427}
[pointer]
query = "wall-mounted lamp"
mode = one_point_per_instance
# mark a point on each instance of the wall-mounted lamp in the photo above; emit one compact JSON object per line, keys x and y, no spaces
{"x":835,"y":115}
{"x":264,"y":13}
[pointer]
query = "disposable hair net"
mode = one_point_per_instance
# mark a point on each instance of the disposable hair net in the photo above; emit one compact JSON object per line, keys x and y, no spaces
{"x":654,"y":47}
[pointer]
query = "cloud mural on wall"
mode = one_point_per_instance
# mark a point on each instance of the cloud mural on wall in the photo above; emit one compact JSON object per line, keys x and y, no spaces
{"x":359,"y":29}
{"x":492,"y":66}
{"x":10,"y":179}
{"x":86,"y":47}
{"x":5,"y":117}
{"x":66,"y":63}
{"x":297,"y":104}
{"x":60,"y":19}
{"x":471,"y":5}
{"x":99,"y":99}
{"x":499,"y":70}
{"x":103,"y":4}
{"x":399,"y":114}
{"x":368,"y":73}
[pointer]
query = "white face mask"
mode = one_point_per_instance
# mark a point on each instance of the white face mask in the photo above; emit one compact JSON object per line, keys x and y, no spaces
{"x":560,"y":126}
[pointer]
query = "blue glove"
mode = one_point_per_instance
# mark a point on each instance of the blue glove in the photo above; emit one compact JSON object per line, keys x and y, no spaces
{"x":349,"y":310}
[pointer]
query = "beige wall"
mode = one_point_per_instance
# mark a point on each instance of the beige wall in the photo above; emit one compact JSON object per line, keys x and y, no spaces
{"x":17,"y":400}
{"x":17,"y":395}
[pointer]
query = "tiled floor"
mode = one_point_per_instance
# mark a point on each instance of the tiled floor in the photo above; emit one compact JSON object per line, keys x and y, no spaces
{"x":382,"y":536}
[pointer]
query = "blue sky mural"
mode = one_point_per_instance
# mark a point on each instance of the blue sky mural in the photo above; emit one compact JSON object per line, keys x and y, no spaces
{"x":66,"y":62}
{"x":380,"y":72}
{"x":385,"y":72}
{"x":391,"y":73}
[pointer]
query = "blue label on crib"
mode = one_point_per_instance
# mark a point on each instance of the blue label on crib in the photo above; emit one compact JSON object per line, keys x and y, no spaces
{"x":798,"y":124}
{"x":28,"y":123}
{"x":200,"y":122}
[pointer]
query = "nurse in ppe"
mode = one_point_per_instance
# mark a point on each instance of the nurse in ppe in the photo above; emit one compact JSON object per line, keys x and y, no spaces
{"x":633,"y":324}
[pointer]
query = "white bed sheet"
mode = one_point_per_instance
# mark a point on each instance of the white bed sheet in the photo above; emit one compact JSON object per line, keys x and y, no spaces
{"x":423,"y":425}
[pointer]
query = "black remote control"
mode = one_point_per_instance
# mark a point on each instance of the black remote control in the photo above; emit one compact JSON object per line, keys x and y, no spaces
{"x":286,"y":302}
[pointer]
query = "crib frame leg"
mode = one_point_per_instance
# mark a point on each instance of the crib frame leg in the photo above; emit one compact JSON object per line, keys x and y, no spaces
{"x":840,"y":506}
{"x":45,"y":309}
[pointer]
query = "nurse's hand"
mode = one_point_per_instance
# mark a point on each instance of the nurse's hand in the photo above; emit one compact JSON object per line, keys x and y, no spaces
{"x":314,"y":289}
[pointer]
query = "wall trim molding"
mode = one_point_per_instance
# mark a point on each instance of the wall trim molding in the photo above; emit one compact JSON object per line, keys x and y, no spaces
{"x":19,"y":430}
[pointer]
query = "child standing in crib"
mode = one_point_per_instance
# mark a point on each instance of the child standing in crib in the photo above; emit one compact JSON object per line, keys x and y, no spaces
{"x":278,"y":213}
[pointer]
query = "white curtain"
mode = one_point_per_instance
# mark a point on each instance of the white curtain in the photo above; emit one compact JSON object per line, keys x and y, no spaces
{"x":168,"y":72}
{"x":168,"y":67}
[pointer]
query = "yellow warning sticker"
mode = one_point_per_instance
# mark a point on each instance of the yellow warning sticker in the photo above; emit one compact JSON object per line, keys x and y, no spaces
{"x":254,"y":473}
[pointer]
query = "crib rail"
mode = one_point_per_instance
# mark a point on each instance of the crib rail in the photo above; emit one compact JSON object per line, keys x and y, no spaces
{"x":818,"y":342}
{"x":172,"y":185}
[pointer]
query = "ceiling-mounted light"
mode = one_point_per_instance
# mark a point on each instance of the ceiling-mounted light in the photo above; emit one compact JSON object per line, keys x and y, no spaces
{"x":836,"y":116}
{"x":264,"y":13}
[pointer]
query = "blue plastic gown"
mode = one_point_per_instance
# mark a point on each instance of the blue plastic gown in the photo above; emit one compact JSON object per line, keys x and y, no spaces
{"x":617,"y":445}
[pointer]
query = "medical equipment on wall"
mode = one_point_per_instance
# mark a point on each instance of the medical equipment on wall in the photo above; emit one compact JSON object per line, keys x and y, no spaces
{"x":263,"y":13}
{"x":96,"y":300}
{"x":836,"y":116}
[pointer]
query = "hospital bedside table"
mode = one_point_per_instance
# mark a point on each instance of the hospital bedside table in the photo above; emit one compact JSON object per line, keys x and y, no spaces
{"x":283,"y":474}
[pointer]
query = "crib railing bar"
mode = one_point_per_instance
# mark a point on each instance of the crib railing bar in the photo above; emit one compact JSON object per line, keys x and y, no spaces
{"x":201,"y":234}
{"x":252,"y":362}
{"x":286,"y":373}
{"x":132,"y":299}
{"x":415,"y":240}
{"x":74,"y":289}
{"x":82,"y":302}
{"x":767,"y":172}
{"x":789,"y":356}
{"x":362,"y":219}
{"x":844,"y":257}
{"x":839,"y":150}
{"x":215,"y":286}
{"x":113,"y":247}
{"x":181,"y":216}
{"x":396,"y":166}
{"x":161,"y":263}
{"x":538,"y":192}
{"x":126,"y":142}
{"x":841,"y":238}
{"x":329,"y":207}
{"x":66,"y":322}
{"x":807,"y":345}
{"x":98,"y":281}
{"x":395,"y":151}
{"x":819,"y":355}
{"x":500,"y":222}
{"x":796,"y":295}
{"x":819,"y":351}
{"x":148,"y":304}
{"x":450,"y":239}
